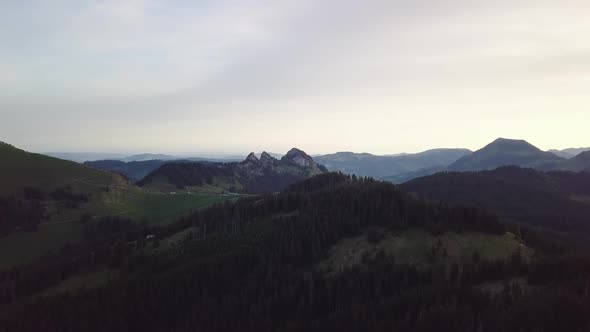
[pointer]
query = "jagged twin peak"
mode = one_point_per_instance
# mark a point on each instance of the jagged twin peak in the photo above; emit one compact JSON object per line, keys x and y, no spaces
{"x":294,"y":156}
{"x":251,"y":158}
{"x":264,"y":157}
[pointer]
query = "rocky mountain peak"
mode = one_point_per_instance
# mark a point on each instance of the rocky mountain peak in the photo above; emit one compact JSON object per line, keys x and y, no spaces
{"x":251,"y":158}
{"x":298,"y":157}
{"x":266,"y":156}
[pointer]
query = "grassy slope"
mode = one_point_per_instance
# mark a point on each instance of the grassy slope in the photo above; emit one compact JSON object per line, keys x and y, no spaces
{"x":162,"y":208}
{"x":22,"y":247}
{"x":415,"y":247}
{"x":19,"y":169}
{"x":86,"y":280}
{"x":219,"y":185}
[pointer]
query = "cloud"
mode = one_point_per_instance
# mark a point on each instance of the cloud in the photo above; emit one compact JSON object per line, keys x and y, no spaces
{"x":136,"y":65}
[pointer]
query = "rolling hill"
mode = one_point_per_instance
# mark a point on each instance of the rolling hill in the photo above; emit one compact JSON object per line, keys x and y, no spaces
{"x":134,"y":170}
{"x":366,"y":164}
{"x":579,"y":163}
{"x":504,"y":152}
{"x":137,"y":170}
{"x":252,"y":175}
{"x":338,"y":251}
{"x":20,"y":169}
{"x":558,"y":200}
{"x":43,"y":199}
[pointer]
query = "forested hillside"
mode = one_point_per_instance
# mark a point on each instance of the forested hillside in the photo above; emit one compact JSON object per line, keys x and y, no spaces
{"x":44,"y":201}
{"x":134,"y":170}
{"x":254,"y":265}
{"x":558,"y":200}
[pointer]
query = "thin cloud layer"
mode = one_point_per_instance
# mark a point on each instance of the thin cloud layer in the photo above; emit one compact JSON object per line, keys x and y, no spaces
{"x":234,"y":76}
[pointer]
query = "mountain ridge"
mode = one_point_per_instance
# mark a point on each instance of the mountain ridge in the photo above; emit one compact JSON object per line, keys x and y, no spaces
{"x":366,"y":164}
{"x":252,"y":175}
{"x":503,"y":152}
{"x":570,"y":152}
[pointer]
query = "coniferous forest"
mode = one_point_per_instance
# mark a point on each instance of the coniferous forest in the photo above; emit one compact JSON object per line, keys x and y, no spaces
{"x":282,"y":166}
{"x":252,"y":265}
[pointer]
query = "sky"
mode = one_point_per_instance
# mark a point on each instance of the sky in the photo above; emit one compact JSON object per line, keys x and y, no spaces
{"x":180,"y":76}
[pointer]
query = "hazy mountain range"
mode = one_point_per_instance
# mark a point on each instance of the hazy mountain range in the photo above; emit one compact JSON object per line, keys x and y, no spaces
{"x":396,"y":168}
{"x":366,"y":164}
{"x":569,"y":153}
{"x":134,"y":170}
{"x":504,"y":152}
{"x":81,"y":157}
{"x":501,"y":152}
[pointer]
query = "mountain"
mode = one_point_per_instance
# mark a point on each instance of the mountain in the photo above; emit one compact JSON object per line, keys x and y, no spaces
{"x":81,"y":157}
{"x":134,"y":170}
{"x":37,"y":189}
{"x":366,"y":164}
{"x":148,"y":156}
{"x":253,"y":175}
{"x":558,"y":200}
{"x":503,"y":152}
{"x":20,"y":169}
{"x":137,"y":170}
{"x":569,"y":153}
{"x":581,"y":162}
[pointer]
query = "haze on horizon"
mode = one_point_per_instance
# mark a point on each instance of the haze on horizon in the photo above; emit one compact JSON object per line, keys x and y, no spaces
{"x":325,"y":76}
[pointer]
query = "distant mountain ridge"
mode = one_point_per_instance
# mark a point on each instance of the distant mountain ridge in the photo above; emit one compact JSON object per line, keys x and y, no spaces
{"x":134,"y":170}
{"x":503,"y":152}
{"x":511,"y":152}
{"x":569,"y":153}
{"x":82,"y":157}
{"x":137,"y":170}
{"x":366,"y":164}
{"x":252,"y":175}
{"x":581,"y":162}
{"x":148,"y":156}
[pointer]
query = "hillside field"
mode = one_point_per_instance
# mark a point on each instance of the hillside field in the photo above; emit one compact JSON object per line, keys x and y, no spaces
{"x":420,"y":248}
{"x":23,"y":247}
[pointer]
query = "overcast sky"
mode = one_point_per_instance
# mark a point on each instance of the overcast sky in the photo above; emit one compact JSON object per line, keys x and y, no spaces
{"x":323,"y":75}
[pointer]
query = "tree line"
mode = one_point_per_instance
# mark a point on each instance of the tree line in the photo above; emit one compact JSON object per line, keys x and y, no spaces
{"x":248,"y":266}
